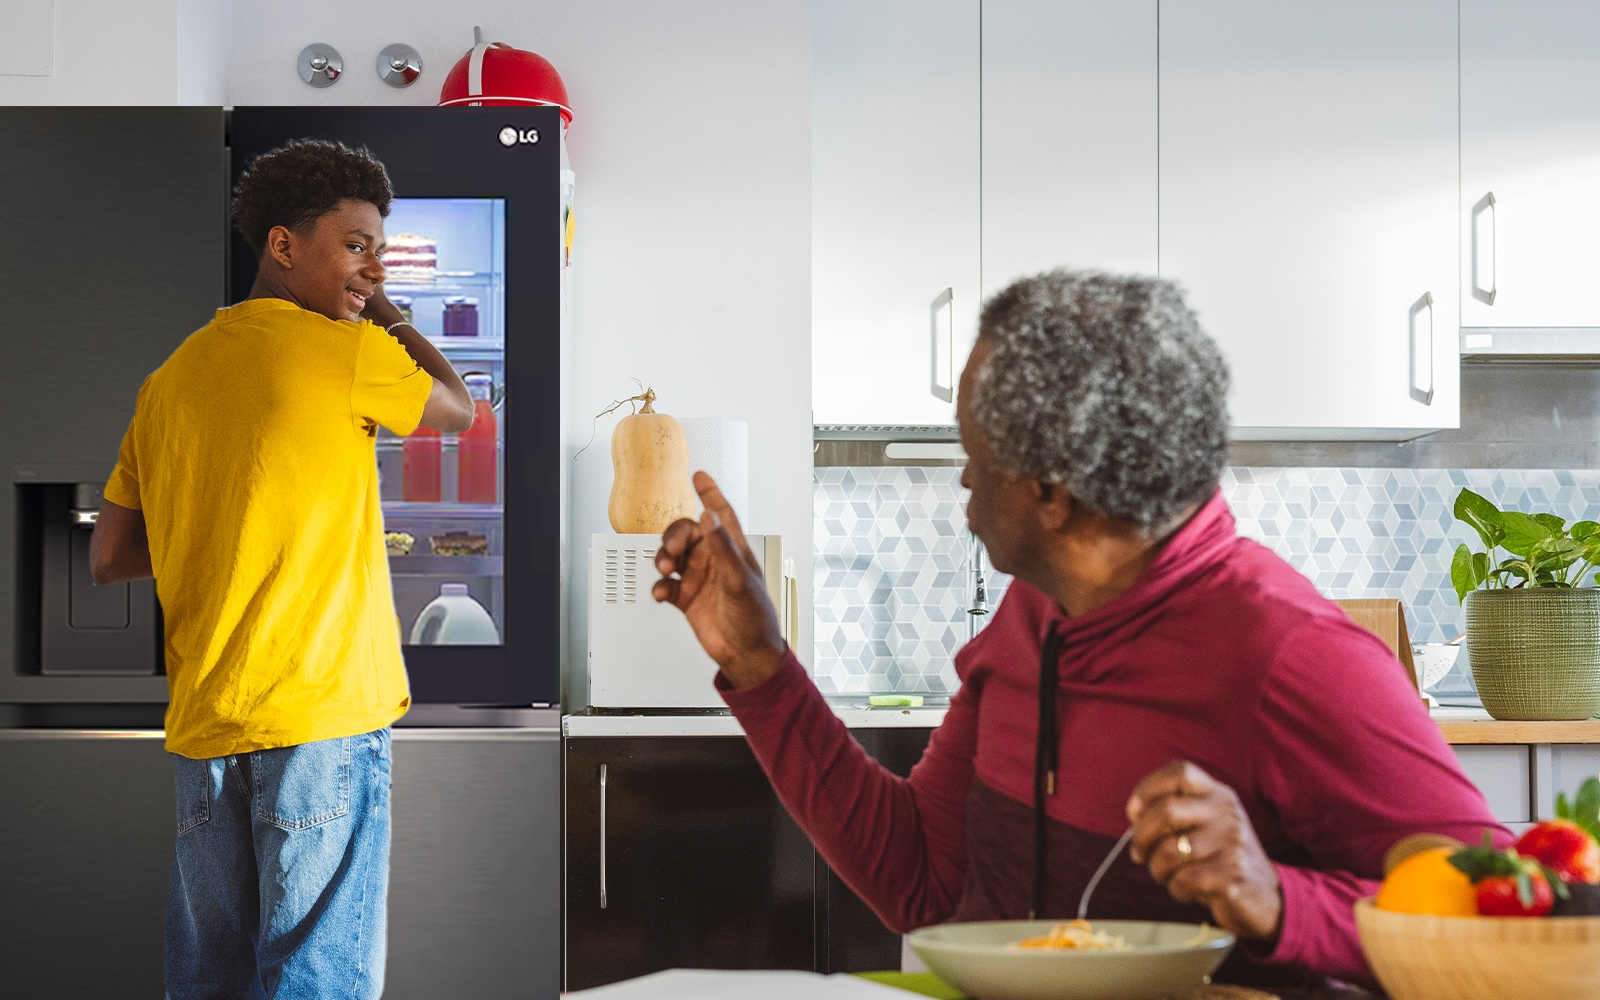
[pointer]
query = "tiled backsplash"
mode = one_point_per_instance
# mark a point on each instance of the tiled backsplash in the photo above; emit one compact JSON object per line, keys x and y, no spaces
{"x":893,"y":575}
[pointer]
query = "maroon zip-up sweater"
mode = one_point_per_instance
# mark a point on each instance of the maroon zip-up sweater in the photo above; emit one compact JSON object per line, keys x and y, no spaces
{"x":1220,"y":654}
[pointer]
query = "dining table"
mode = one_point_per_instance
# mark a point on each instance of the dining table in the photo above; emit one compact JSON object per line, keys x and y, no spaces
{"x":708,"y":984}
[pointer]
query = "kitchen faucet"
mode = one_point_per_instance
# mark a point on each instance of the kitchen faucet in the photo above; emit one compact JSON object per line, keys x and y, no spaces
{"x":978,"y":583}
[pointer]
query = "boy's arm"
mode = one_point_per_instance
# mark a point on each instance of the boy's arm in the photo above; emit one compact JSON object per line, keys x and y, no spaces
{"x":449,"y":405}
{"x":119,"y":549}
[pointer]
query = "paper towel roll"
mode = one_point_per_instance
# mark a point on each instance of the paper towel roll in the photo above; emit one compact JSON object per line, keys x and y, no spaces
{"x":722,"y":448}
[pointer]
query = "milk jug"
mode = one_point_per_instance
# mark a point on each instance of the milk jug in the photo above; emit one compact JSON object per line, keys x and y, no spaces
{"x":454,"y":619}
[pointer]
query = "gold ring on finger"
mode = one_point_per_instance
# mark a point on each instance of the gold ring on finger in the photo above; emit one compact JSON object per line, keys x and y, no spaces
{"x":1185,"y":849}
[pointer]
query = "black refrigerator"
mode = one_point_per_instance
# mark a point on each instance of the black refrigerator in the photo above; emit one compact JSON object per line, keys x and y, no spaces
{"x":478,"y":246}
{"x":477,"y":257}
{"x":118,"y":245}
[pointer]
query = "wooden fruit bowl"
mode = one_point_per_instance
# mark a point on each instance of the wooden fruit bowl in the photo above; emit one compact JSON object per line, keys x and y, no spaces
{"x":1418,"y":957}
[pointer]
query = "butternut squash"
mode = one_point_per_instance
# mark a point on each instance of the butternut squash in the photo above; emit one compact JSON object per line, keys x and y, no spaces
{"x":650,"y":457}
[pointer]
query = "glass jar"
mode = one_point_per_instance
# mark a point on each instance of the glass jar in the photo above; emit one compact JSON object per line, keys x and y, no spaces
{"x":460,"y":316}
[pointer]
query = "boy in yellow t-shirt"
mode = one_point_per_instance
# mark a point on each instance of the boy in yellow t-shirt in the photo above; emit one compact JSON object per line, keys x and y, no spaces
{"x":247,"y":486}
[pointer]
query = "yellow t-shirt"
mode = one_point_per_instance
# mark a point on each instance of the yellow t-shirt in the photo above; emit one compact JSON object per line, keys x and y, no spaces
{"x":251,"y":454}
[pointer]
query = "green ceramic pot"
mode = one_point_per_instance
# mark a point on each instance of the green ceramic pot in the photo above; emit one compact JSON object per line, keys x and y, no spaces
{"x":1535,"y":653}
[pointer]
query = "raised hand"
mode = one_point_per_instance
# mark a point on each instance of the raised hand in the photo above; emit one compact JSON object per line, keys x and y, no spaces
{"x":709,"y":573}
{"x":380,"y":310}
{"x":1193,"y":834}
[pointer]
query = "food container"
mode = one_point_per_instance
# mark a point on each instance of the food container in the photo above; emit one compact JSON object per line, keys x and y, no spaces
{"x":403,"y":303}
{"x":1423,"y":957}
{"x":460,"y":316}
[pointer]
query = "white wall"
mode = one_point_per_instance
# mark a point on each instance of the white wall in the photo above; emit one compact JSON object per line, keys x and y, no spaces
{"x":691,"y":143}
{"x":131,"y":52}
{"x":205,"y":44}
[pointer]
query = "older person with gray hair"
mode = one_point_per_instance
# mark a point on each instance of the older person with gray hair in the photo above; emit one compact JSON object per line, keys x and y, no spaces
{"x":1148,"y":670}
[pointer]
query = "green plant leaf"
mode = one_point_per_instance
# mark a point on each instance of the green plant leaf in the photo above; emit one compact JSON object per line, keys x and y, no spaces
{"x":1483,"y":861}
{"x":1517,"y":568}
{"x":1524,"y":889}
{"x":1556,"y":525}
{"x":1550,"y":557}
{"x":1563,"y":806}
{"x":1586,"y":810}
{"x":1481,"y":567}
{"x":1554,"y":881}
{"x":1470,"y":502}
{"x":1522,"y":532}
{"x":1482,"y":515}
{"x":1585,"y":529}
{"x":1462,"y":571}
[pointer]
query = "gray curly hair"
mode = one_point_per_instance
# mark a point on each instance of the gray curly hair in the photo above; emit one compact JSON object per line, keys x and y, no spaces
{"x":1105,"y":384}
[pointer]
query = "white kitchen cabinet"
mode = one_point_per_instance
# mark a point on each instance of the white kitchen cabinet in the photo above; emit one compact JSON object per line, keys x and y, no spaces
{"x":1530,"y":163}
{"x":1069,"y":137}
{"x":895,"y":199}
{"x":1308,"y":204}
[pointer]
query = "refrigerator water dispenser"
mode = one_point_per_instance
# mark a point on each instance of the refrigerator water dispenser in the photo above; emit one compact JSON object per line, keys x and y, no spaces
{"x":84,"y":628}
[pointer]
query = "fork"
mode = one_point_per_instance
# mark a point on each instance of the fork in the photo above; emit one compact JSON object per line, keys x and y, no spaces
{"x":1100,"y":873}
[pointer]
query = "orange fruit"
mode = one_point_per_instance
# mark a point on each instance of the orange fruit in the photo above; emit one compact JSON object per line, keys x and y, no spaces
{"x":1426,"y":882}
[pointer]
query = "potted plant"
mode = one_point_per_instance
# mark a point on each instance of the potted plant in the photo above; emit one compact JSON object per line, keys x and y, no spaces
{"x":1533,"y":612}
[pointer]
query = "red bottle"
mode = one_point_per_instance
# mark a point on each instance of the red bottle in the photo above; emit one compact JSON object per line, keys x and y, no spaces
{"x":423,"y":478}
{"x":477,"y":445}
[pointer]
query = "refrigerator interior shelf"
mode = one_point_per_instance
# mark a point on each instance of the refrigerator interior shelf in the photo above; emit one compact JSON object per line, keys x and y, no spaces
{"x":395,"y":511}
{"x":456,"y":566}
{"x":469,"y":348}
{"x":448,"y":440}
{"x":446,"y":281}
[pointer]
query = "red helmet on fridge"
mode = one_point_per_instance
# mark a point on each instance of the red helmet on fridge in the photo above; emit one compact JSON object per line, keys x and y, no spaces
{"x":494,"y":73}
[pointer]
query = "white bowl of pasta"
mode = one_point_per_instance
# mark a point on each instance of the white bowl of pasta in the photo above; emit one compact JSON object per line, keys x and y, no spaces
{"x":1060,"y":960}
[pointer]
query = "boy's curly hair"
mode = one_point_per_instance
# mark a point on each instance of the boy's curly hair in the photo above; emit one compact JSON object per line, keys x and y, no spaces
{"x":302,"y":181}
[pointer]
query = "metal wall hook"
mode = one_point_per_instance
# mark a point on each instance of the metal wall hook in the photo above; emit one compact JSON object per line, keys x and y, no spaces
{"x":320,"y":64}
{"x":399,"y":65}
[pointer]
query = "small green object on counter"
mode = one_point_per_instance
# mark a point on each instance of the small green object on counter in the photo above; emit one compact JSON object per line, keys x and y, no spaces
{"x":895,"y":701}
{"x":925,"y":983}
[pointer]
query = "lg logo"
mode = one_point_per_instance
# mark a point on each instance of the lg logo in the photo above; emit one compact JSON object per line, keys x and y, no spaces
{"x":510,"y":136}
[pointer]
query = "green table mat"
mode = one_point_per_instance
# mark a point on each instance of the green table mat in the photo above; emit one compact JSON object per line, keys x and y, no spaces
{"x":925,"y":983}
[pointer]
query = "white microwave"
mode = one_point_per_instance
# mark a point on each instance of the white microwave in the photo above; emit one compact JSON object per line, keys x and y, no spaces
{"x":643,"y":654}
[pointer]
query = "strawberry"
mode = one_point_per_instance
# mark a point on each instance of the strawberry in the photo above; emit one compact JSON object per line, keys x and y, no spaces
{"x":1528,"y":895}
{"x":1509,"y":885}
{"x":1565,"y":848}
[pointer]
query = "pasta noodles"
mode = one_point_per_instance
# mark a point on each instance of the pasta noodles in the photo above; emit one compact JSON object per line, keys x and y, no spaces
{"x":1078,"y":935}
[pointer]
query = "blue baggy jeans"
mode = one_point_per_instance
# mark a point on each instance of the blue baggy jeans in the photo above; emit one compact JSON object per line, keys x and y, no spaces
{"x":281,"y":879}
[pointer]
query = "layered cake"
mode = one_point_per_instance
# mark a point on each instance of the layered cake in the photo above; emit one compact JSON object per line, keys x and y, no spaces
{"x":410,"y":257}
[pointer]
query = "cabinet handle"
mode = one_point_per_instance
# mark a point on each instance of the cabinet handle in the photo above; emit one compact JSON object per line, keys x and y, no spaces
{"x":1485,"y":293}
{"x":942,"y":344}
{"x":1422,"y":362}
{"x":602,"y":836}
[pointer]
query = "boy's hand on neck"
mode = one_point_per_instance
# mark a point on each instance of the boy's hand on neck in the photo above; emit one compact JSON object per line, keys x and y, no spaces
{"x":381,"y":311}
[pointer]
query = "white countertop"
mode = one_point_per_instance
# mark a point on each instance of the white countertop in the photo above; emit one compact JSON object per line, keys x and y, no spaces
{"x":723,"y":724}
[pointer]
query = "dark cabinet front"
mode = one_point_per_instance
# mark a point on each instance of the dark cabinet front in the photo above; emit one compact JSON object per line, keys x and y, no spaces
{"x":851,"y":937}
{"x":679,"y":855}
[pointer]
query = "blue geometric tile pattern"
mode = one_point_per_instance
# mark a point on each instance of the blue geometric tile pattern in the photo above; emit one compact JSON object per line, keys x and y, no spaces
{"x":893,"y":576}
{"x":892,"y":579}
